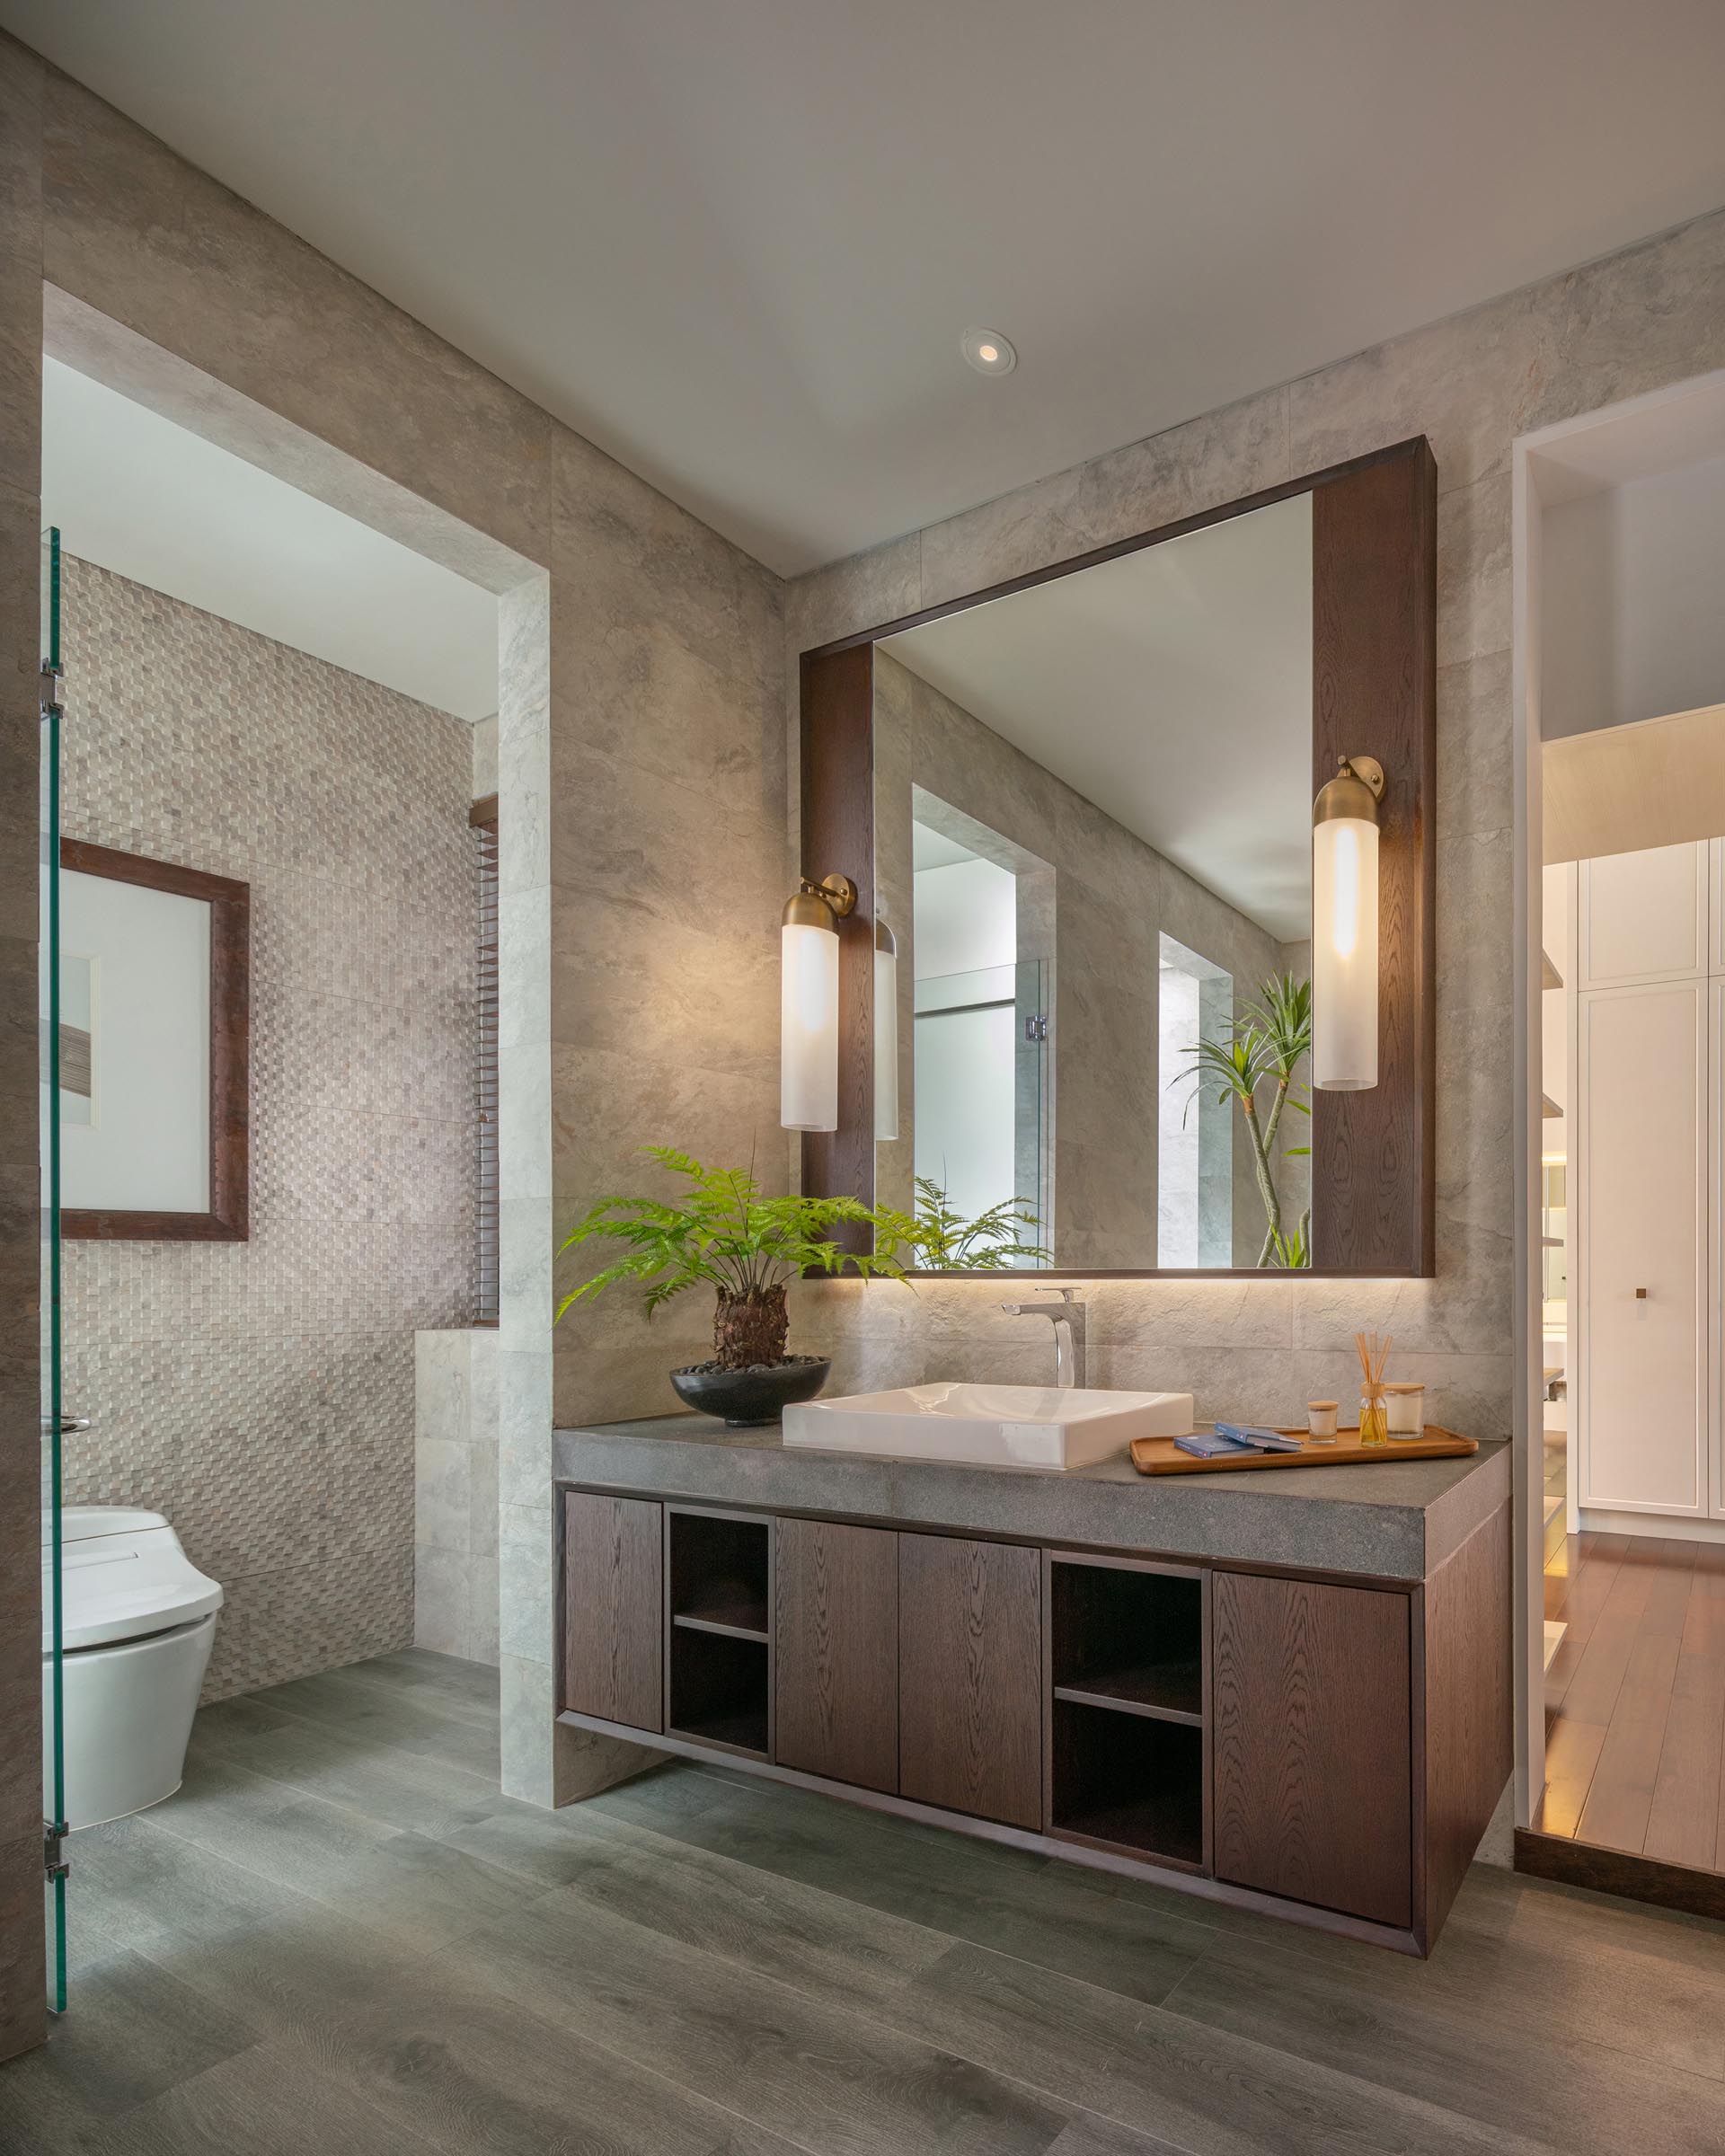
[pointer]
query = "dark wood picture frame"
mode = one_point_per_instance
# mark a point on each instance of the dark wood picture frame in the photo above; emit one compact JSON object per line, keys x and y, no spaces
{"x":228,"y":1219}
{"x":1373,"y":692}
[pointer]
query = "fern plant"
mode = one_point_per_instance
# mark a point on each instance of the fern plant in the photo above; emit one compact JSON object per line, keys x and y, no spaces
{"x":724,"y":1234}
{"x":1269,"y":1040}
{"x":748,"y":1248}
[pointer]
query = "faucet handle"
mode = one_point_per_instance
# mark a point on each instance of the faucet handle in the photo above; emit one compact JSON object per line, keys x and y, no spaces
{"x":1021,"y":1310}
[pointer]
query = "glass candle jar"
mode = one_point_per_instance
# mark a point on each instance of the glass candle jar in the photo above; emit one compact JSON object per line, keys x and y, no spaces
{"x":1374,"y":1422}
{"x":1321,"y":1419}
{"x":1404,"y":1406}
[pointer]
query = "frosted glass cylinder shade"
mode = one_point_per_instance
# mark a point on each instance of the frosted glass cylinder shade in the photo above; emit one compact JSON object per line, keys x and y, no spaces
{"x":885,"y":1043}
{"x":1344,"y":954}
{"x":809,"y":1028}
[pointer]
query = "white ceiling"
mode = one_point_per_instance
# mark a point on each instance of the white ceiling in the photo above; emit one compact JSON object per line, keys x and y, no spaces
{"x":1631,"y":624}
{"x":1171,"y":688}
{"x":736,"y":244}
{"x":137,"y":494}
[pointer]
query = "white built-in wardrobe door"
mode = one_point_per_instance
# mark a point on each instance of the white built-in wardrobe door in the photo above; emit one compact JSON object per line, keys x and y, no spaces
{"x":1641,"y":1078}
{"x":1643,"y":917}
{"x":1716,"y":1232}
{"x":1716,"y":906}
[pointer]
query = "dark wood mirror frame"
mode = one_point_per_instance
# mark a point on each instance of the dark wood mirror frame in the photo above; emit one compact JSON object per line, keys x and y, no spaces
{"x":228,"y":1219}
{"x":1373,"y":692}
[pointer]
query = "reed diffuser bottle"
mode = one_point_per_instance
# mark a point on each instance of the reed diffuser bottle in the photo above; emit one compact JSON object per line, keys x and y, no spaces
{"x":1374,"y":1352}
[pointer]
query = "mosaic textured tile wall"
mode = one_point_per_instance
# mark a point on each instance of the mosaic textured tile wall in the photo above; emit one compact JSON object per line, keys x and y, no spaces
{"x":260,"y":1394}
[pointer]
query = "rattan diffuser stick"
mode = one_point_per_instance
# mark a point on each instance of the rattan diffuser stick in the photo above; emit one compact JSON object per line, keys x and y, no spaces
{"x":1374,"y":1351}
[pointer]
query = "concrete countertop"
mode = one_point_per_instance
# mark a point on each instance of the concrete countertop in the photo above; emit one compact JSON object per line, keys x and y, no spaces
{"x":1397,"y":1520}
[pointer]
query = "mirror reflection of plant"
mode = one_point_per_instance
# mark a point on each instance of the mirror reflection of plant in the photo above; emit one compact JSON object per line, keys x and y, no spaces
{"x":1265,"y":1045}
{"x":1289,"y":1252}
{"x":946,"y":1242}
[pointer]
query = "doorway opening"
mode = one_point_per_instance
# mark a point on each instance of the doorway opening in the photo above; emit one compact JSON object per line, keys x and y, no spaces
{"x":273,"y":701}
{"x":980,"y":1025}
{"x":1195,"y":1193}
{"x":1621,"y":664}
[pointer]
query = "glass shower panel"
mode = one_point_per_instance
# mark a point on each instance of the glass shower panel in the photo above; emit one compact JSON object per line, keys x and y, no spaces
{"x":1195,"y":1194}
{"x":964,"y":1101}
{"x":53,"y":1400}
{"x":1033,"y":1178}
{"x":980,"y":1117}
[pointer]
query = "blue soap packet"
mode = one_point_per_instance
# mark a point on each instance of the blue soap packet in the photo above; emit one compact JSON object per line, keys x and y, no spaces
{"x":1259,"y":1439}
{"x":1204,"y":1445}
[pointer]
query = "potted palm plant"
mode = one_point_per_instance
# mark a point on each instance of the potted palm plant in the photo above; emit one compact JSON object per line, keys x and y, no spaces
{"x":1265,"y":1047}
{"x":722,"y":1233}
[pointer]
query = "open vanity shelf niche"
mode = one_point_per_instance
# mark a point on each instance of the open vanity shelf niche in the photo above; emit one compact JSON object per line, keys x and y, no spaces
{"x":1129,"y":1753}
{"x":719,"y":1642}
{"x":1119,"y":1780}
{"x":1319,"y":1747}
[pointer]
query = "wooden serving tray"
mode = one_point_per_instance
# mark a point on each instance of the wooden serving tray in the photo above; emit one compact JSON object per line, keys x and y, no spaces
{"x":1163,"y":1456}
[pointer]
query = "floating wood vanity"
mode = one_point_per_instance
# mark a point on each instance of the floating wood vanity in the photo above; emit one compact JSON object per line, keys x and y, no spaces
{"x":1286,"y":1692}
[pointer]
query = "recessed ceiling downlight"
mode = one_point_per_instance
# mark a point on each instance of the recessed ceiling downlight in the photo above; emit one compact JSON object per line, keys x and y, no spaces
{"x":988,"y":351}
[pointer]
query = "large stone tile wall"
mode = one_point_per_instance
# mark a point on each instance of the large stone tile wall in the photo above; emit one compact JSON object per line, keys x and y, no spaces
{"x":1636,"y":321}
{"x":641,"y":759}
{"x":667,"y":849}
{"x":261,"y":1393}
{"x":454,"y":1501}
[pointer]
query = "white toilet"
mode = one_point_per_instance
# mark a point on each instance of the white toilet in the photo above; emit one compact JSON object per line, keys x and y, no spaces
{"x":137,"y":1621}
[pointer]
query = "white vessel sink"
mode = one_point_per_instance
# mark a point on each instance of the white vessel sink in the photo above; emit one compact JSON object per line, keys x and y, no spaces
{"x":991,"y":1425}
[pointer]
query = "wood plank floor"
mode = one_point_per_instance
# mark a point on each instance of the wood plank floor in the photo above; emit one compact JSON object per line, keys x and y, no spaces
{"x":1635,"y":1698}
{"x":338,"y":1940}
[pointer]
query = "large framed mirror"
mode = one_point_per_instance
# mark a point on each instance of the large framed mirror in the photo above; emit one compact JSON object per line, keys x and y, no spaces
{"x":1077,"y":994}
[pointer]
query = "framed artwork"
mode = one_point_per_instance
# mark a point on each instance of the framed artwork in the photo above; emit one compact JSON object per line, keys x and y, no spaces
{"x":156,"y":965}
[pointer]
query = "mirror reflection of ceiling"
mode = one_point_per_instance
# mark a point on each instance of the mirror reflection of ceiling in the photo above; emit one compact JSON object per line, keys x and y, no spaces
{"x":1172,"y":687}
{"x":138,"y":495}
{"x":934,"y":850}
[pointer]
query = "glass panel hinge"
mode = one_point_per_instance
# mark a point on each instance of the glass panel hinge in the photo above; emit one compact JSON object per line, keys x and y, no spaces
{"x":53,"y":1847}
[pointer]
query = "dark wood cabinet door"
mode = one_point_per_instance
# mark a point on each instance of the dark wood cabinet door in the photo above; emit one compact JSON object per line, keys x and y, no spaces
{"x":613,"y":1609}
{"x":970,"y":1677}
{"x":836,"y":1652}
{"x":1313,"y":1762}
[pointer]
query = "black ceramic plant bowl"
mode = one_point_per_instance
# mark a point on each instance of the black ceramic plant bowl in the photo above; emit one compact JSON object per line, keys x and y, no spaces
{"x":746,"y":1397}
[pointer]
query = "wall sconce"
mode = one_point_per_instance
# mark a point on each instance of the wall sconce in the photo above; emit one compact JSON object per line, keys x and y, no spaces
{"x":809,"y":1004}
{"x":1344,"y":928}
{"x":886,"y":1029}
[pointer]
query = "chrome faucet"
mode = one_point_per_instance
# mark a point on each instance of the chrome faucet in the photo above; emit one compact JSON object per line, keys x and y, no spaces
{"x":1068,"y":1333}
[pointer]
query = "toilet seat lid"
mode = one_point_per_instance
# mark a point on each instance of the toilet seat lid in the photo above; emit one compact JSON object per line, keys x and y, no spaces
{"x":123,"y":1576}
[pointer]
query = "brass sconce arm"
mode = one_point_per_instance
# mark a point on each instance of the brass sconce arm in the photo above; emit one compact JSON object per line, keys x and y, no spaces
{"x":1355,"y":792}
{"x":820,"y":904}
